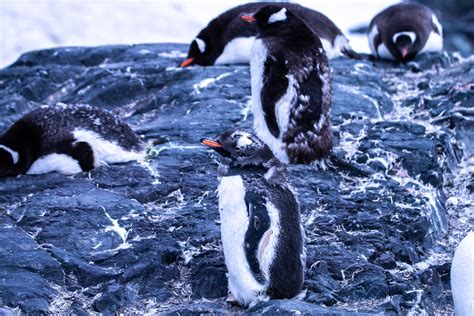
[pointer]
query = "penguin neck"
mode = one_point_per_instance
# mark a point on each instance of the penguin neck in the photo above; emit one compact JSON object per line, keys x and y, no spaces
{"x":272,"y":171}
{"x":245,"y":170}
{"x":24,"y":138}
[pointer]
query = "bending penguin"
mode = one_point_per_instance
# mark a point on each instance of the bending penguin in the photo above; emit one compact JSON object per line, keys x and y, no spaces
{"x":291,"y":87}
{"x":403,"y":31}
{"x":228,"y":40}
{"x":261,"y":229}
{"x":67,"y":139}
{"x":462,"y":277}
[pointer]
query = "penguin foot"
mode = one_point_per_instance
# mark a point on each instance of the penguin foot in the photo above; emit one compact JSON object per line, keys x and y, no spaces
{"x":230,"y":299}
{"x":345,"y":165}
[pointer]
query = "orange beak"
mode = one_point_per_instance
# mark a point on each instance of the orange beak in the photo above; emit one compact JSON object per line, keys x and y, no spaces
{"x":211,"y":143}
{"x":405,"y":52}
{"x":187,"y":62}
{"x":248,"y":18}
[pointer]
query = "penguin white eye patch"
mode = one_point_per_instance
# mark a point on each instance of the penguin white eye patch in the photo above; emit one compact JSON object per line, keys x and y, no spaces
{"x":201,"y":44}
{"x":243,"y":141}
{"x":279,"y":16}
{"x":14,"y":154}
{"x":411,"y":35}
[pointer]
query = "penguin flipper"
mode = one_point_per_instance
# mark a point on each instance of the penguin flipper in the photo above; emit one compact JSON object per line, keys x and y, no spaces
{"x":275,"y":85}
{"x":82,"y":152}
{"x":346,"y":165}
{"x":259,"y":225}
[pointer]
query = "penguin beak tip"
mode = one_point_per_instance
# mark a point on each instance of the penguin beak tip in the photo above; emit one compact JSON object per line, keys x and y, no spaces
{"x":210,"y":143}
{"x":187,"y":62}
{"x":405,"y":52}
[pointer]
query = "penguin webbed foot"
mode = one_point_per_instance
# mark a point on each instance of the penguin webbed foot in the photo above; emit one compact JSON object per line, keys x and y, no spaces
{"x":230,"y":299}
{"x":340,"y":163}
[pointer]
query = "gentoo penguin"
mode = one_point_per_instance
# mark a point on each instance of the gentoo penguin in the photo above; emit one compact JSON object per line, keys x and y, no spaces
{"x":403,"y":31}
{"x":261,"y":232}
{"x":462,"y":277}
{"x":228,"y":40}
{"x":68,"y":139}
{"x":291,"y":87}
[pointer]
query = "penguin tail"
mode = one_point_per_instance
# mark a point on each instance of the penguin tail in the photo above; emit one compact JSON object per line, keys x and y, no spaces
{"x":349,"y":52}
{"x":342,"y":164}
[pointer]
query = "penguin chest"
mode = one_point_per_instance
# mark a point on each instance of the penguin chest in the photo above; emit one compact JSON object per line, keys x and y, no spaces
{"x":434,"y":43}
{"x":236,"y":51}
{"x":334,"y":48}
{"x":234,"y":223}
{"x":61,"y":163}
{"x":282,"y":106}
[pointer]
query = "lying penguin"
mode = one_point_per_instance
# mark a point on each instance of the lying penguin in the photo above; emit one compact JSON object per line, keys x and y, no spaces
{"x":291,"y":87}
{"x":261,"y":228}
{"x":403,"y":31}
{"x":67,"y":139}
{"x":228,"y":40}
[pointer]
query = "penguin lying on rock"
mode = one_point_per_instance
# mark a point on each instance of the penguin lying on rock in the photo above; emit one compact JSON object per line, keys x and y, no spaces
{"x":261,"y":230}
{"x":403,"y":31}
{"x":228,"y":40}
{"x":68,"y":139}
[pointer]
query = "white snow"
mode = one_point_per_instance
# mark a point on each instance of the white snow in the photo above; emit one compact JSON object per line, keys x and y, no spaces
{"x":27,"y":25}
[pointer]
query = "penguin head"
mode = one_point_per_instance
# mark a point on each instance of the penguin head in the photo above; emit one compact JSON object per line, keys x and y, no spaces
{"x":241,"y":149}
{"x":273,"y":19}
{"x":405,"y":45}
{"x":198,"y":53}
{"x":10,"y":164}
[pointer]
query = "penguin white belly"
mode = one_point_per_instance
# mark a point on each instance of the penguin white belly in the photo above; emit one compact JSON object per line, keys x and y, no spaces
{"x":383,"y":52}
{"x":234,"y":223}
{"x":268,"y":244}
{"x":106,"y":152}
{"x":55,"y":162}
{"x":462,"y":277}
{"x":372,"y":34}
{"x":334,"y":50}
{"x":259,"y":55}
{"x":434,"y":43}
{"x":236,"y":51}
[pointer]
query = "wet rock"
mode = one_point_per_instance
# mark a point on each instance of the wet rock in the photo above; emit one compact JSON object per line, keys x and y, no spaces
{"x":144,"y":237}
{"x":293,"y":307}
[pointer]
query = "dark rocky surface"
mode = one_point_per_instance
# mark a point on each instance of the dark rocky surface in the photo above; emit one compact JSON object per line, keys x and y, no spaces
{"x":144,"y":237}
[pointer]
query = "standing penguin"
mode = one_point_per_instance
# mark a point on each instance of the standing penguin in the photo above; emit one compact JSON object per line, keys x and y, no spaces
{"x":68,"y":139}
{"x":462,"y":277}
{"x":228,"y":40}
{"x":291,"y":87}
{"x":403,"y":31}
{"x":261,"y":229}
